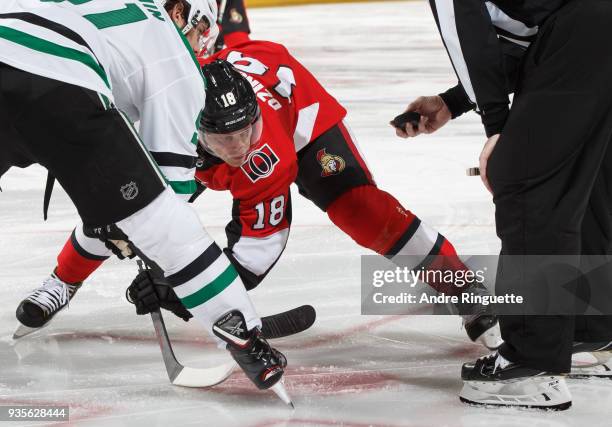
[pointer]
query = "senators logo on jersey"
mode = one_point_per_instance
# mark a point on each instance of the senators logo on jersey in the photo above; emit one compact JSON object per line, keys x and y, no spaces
{"x":235,"y":16}
{"x":331,"y":164}
{"x":260,"y":163}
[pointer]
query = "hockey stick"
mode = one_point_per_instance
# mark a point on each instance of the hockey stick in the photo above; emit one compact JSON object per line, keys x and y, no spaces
{"x":275,"y":326}
{"x":278,"y":325}
{"x":183,"y":375}
{"x":288,"y":322}
{"x":177,"y":373}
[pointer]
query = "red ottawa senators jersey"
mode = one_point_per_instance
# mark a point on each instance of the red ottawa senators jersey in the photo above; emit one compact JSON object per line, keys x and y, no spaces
{"x":295,"y":109}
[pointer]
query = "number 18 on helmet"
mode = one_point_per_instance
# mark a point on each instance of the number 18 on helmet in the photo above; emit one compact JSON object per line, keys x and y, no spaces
{"x":231,"y":123}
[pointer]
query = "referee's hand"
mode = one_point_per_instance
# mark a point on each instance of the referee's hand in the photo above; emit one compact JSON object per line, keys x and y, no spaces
{"x":434,"y":114}
{"x":484,"y":158}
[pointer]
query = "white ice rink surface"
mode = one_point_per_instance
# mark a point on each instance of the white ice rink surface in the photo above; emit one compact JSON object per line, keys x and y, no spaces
{"x":102,"y":360}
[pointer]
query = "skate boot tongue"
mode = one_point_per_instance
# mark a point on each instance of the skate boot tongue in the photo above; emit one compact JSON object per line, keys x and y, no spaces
{"x":261,"y":363}
{"x":479,"y":320}
{"x":232,"y":329}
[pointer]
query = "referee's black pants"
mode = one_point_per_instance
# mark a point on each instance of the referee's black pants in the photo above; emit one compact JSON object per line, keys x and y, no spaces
{"x":551,"y":171}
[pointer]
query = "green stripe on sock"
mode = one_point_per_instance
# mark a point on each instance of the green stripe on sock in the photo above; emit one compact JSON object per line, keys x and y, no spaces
{"x":211,"y":290}
{"x":183,"y":187}
{"x":51,"y":48}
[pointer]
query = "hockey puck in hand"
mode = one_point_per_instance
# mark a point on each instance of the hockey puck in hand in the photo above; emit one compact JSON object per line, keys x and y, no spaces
{"x":475,"y":171}
{"x":411,"y":117}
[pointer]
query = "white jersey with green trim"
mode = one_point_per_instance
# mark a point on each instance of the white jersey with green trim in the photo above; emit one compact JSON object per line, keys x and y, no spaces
{"x":128,"y":51}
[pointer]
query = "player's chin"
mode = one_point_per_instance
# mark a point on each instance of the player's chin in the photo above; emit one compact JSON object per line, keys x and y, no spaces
{"x":235,"y":161}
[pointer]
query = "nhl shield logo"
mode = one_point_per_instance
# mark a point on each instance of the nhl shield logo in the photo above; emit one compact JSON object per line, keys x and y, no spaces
{"x":129,"y":190}
{"x":260,"y":163}
{"x":330,"y":163}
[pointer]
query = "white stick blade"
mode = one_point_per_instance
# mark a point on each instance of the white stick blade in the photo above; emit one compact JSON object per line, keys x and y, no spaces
{"x":205,"y":377}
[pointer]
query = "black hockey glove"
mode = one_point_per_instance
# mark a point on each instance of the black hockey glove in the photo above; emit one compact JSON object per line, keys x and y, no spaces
{"x":108,"y":233}
{"x":149,"y":293}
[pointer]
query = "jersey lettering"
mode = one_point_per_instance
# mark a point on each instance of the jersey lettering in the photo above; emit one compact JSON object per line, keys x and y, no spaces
{"x":246,"y":64}
{"x":262,"y":93}
{"x":286,"y":82}
{"x":128,"y":14}
{"x":152,"y":8}
{"x":286,"y":79}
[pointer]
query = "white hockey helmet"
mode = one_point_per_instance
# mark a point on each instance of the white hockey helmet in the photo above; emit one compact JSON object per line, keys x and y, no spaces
{"x":197,"y":11}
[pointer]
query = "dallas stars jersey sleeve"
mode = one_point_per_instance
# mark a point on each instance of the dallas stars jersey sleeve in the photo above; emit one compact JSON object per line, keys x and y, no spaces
{"x":129,"y":52}
{"x":157,"y":82}
{"x":56,"y":42}
{"x":306,"y":109}
{"x":169,"y":118}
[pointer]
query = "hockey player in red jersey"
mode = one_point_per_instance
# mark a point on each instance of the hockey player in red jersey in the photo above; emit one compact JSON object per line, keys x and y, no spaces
{"x":299,"y":135}
{"x":268,"y":123}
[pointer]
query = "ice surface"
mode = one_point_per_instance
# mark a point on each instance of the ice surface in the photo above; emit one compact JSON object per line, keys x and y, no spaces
{"x":352,"y":370}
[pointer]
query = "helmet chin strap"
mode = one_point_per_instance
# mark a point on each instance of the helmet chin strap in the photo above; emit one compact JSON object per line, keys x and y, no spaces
{"x":192,"y":23}
{"x":207,"y":42}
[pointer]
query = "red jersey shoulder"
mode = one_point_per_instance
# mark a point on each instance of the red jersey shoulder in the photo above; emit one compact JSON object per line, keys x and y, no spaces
{"x":284,"y":84}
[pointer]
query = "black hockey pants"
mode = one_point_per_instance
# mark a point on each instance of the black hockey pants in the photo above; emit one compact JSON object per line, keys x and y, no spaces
{"x":86,"y":144}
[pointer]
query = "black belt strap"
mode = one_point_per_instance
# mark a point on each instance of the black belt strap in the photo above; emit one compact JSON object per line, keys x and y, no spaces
{"x":48,"y":191}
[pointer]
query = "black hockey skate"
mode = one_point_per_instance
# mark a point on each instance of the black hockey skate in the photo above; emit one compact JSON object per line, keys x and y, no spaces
{"x":479,"y":320}
{"x":494,"y":381}
{"x":43,"y":303}
{"x":261,"y":363}
{"x":591,"y":360}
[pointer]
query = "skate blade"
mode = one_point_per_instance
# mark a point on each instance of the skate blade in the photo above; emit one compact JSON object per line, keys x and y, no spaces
{"x":603,"y":371}
{"x":491,"y":405}
{"x":23,"y":331}
{"x":281,"y":392}
{"x":548,"y":392}
{"x":590,"y":359}
{"x":589,"y":376}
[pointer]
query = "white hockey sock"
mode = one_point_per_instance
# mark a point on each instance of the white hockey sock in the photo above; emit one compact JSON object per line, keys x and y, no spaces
{"x":89,"y":245}
{"x":169,"y":232}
